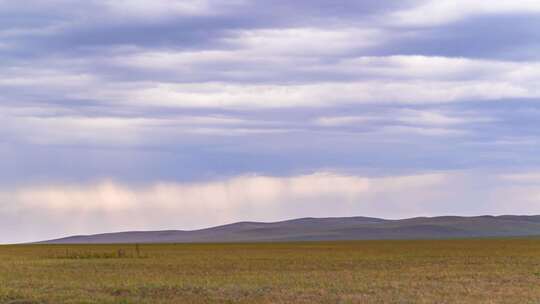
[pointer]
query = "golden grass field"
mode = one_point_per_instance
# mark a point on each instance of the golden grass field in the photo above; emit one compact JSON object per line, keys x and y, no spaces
{"x":441,"y":271}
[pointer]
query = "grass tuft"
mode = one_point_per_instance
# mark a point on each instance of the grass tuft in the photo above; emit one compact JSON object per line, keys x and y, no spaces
{"x":89,"y":254}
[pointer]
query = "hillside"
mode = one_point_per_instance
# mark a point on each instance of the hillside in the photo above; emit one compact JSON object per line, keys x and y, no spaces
{"x":327,"y":229}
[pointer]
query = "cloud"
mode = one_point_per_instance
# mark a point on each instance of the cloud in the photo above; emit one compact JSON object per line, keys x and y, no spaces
{"x":258,"y":64}
{"x":112,"y":206}
{"x":516,"y":39}
{"x":444,"y":11}
{"x":345,"y":120}
{"x":48,"y":127}
{"x":109,"y":205}
{"x":415,"y":117}
{"x":428,"y":131}
{"x":440,"y":118}
{"x":224,"y":95}
{"x":137,"y":92}
{"x":527,"y":178}
{"x":304,"y":42}
{"x":143,"y":9}
{"x":209,"y":79}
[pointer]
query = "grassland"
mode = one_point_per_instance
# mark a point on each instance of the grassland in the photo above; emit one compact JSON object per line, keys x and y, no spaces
{"x":443,"y":271}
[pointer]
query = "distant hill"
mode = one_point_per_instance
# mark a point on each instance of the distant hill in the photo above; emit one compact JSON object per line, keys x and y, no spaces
{"x":329,"y":229}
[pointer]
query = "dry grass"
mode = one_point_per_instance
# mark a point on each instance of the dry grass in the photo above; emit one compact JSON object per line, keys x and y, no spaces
{"x":451,"y":271}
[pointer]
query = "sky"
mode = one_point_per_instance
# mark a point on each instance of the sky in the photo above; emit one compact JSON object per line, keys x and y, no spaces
{"x":182,"y":114}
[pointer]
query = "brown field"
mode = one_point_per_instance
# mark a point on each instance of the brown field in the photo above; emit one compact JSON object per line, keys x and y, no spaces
{"x":441,"y":271}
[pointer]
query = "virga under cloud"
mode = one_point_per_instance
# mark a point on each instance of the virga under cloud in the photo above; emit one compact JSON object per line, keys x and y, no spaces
{"x":142,"y":93}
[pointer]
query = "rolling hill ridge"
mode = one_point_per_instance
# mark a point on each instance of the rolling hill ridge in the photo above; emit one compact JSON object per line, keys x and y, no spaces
{"x":329,"y":229}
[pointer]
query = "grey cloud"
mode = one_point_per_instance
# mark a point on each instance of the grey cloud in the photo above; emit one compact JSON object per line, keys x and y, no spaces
{"x":167,"y":152}
{"x":71,"y":28}
{"x":91,"y":94}
{"x":504,"y":37}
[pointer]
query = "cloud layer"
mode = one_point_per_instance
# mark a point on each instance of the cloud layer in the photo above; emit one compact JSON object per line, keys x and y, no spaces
{"x":164,"y":96}
{"x":51,"y":210}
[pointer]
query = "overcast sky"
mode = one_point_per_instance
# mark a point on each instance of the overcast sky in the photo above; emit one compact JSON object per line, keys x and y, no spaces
{"x":163,"y":114}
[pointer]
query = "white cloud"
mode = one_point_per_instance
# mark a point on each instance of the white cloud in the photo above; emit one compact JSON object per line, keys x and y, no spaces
{"x":152,"y":9}
{"x":429,"y":118}
{"x":527,"y":177}
{"x":40,"y":126}
{"x":416,"y":130}
{"x":335,"y":121}
{"x":268,"y":49}
{"x":58,"y":209}
{"x":35,"y":77}
{"x":253,"y":77}
{"x":397,"y":67}
{"x":436,"y":12}
{"x":439,"y":118}
{"x":420,"y":118}
{"x":307,"y":41}
{"x":109,"y":206}
{"x":225,"y":95}
{"x":394,"y":79}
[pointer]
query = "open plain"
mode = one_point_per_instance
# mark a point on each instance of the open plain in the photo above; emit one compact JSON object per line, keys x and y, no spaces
{"x":404,"y":271}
